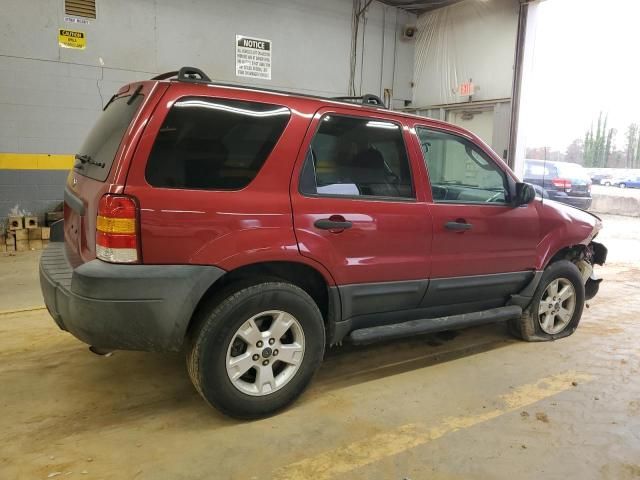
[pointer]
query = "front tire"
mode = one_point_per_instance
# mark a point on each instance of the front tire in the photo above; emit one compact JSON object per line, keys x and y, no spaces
{"x":556,"y":307}
{"x":255,"y":351}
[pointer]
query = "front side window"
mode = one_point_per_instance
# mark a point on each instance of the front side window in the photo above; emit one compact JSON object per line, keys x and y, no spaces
{"x":459,"y":171}
{"x":357,"y":157}
{"x":214,"y":144}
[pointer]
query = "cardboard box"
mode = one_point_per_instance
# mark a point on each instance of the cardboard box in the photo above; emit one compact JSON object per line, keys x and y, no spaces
{"x":10,"y":239}
{"x":46,"y":231}
{"x":15,"y":222}
{"x":22,"y":245}
{"x":22,"y":234}
{"x":30,"y":222}
{"x":35,"y":244}
{"x":45,"y":243}
{"x":35,"y":233}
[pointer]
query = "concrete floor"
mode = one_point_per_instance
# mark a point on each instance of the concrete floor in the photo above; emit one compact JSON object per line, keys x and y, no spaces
{"x":475,"y":404}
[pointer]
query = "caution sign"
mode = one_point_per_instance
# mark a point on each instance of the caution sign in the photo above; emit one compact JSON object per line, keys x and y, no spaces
{"x":253,"y":57}
{"x":71,"y":39}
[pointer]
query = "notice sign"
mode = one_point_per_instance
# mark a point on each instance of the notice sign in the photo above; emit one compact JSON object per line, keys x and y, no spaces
{"x":71,"y":39}
{"x":253,"y":57}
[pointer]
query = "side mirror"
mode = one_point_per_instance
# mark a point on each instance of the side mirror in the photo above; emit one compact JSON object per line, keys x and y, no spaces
{"x":525,"y":193}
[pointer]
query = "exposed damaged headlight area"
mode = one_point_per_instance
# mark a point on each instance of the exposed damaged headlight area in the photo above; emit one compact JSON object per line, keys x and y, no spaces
{"x":594,"y":254}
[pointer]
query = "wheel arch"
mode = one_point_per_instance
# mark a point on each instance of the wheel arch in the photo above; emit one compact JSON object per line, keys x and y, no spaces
{"x":568,"y":252}
{"x":308,"y":278}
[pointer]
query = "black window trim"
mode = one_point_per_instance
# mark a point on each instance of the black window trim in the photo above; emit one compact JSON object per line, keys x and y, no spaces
{"x":209,"y":97}
{"x":465,"y":139}
{"x":366,"y":198}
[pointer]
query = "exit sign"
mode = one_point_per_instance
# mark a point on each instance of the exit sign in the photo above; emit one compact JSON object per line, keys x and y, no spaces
{"x":466,"y":89}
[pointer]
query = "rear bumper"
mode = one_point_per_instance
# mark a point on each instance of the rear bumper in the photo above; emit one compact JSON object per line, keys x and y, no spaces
{"x":581,"y":202}
{"x":127,"y":307}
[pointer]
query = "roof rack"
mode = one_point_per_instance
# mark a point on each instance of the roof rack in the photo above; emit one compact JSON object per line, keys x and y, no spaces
{"x":195,"y":75}
{"x":366,"y":99}
{"x":185,"y":74}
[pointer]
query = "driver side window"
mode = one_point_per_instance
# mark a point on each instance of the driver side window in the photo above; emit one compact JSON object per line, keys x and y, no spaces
{"x":459,"y":171}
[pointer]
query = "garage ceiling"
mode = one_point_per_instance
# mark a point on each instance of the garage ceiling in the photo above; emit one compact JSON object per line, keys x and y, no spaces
{"x":418,"y":7}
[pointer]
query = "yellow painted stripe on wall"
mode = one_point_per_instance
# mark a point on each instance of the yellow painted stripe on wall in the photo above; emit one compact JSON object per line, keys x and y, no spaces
{"x":35,"y":161}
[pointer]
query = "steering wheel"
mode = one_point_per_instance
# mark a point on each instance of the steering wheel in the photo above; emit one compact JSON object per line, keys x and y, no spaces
{"x":495,"y":197}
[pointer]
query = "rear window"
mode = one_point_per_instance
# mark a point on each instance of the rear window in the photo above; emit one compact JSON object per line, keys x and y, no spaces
{"x":571,"y":169}
{"x":214,"y":144}
{"x":104,"y":139}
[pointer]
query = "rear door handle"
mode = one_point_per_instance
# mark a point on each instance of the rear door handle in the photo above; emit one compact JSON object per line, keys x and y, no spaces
{"x":458,"y":226}
{"x":328,"y":224}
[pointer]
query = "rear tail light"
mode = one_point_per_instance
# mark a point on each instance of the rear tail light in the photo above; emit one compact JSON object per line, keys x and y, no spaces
{"x":117,"y":229}
{"x":562,"y":183}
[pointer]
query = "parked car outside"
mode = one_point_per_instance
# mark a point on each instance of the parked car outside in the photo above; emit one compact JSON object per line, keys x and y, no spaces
{"x":627,"y":182}
{"x":560,"y":181}
{"x":600,"y":178}
{"x":253,"y":229}
{"x":614,"y":180}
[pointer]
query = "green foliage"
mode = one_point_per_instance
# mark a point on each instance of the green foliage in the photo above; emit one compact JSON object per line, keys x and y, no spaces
{"x":632,"y":159}
{"x":598,"y":144}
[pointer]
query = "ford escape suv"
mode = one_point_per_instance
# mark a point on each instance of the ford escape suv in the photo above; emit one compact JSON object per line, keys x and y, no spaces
{"x":253,"y":229}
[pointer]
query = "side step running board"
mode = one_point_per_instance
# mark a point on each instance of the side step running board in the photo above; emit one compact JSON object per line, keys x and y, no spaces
{"x":366,"y":336}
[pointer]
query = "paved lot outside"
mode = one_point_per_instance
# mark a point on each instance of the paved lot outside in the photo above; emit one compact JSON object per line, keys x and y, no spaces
{"x":473,"y":404}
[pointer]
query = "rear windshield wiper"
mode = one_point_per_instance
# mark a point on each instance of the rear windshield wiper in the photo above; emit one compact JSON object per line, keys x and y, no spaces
{"x":87,"y":159}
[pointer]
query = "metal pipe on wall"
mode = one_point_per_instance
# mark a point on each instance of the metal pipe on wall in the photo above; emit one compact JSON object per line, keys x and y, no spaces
{"x":517,"y":81}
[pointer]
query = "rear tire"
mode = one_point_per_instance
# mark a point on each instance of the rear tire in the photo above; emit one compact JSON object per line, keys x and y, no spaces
{"x":255,"y":351}
{"x":556,"y":307}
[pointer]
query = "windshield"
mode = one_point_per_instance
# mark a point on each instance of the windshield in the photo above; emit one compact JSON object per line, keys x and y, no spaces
{"x":102,"y":143}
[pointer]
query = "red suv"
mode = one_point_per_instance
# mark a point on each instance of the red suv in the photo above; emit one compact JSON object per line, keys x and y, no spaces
{"x":255,"y":228}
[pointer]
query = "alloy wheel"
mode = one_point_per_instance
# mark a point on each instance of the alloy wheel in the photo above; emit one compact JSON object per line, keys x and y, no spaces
{"x":265,"y":353}
{"x":557,"y":305}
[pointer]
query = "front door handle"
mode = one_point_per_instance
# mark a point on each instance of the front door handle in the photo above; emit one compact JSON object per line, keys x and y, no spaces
{"x":333,"y":224}
{"x":458,"y":226}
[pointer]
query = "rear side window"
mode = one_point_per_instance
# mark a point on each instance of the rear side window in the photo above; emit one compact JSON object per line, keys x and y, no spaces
{"x":357,"y":157}
{"x":214,"y":144}
{"x":104,"y":139}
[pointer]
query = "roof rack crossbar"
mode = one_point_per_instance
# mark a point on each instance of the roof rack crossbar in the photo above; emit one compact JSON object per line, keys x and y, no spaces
{"x":367,"y":99}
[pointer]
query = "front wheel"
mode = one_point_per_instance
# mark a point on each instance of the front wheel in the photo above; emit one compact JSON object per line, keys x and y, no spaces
{"x":556,"y":307}
{"x":254,"y":352}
